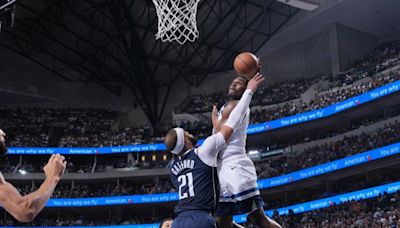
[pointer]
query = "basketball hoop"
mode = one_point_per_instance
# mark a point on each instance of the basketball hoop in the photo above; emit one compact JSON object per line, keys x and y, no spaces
{"x":177,"y":20}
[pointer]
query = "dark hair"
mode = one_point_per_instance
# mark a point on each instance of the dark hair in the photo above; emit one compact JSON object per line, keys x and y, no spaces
{"x":165,"y":220}
{"x":246,"y":80}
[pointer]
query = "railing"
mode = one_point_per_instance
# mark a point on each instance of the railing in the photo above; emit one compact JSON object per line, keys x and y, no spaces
{"x":327,"y":111}
{"x":329,"y":167}
{"x":253,"y":129}
{"x":368,"y":193}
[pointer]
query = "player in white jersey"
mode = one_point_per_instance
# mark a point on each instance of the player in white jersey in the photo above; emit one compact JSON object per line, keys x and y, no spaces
{"x":193,"y":170}
{"x":237,"y":175}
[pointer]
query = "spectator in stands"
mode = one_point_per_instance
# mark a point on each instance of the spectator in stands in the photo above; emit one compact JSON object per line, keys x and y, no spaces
{"x":327,"y":152}
{"x":383,"y":211}
{"x":382,"y":58}
{"x":82,"y":127}
{"x":166,"y":223}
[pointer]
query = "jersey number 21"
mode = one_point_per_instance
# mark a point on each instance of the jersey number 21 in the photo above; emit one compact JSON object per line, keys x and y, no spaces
{"x":186,"y":180}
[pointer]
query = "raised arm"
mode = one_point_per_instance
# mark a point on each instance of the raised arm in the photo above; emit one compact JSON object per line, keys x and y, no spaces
{"x":213,"y":144}
{"x":26,"y":208}
{"x":217,"y":124}
{"x":240,"y":110}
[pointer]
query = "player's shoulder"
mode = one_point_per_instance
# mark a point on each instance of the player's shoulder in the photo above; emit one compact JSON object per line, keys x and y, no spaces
{"x":205,"y":158}
{"x":194,"y":153}
{"x":230,"y":105}
{"x":232,"y":102}
{"x":188,"y":154}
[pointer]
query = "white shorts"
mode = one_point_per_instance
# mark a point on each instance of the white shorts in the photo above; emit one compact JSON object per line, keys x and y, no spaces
{"x":237,"y":178}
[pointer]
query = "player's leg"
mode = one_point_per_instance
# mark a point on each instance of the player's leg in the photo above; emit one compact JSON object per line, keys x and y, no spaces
{"x":194,"y":219}
{"x":259,"y":219}
{"x":224,"y":211}
{"x":238,"y":181}
{"x":224,"y":221}
{"x":227,"y":221}
{"x":254,"y":206}
{"x":235,"y":225}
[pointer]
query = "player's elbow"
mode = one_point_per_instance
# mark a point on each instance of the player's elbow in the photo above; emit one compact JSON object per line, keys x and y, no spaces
{"x":27,"y":211}
{"x":27,"y":215}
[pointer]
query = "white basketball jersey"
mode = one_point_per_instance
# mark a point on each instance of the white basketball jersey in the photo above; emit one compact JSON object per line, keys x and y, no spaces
{"x":237,"y":142}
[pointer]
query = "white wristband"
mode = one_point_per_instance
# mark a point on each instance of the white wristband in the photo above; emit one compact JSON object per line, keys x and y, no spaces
{"x":240,"y":110}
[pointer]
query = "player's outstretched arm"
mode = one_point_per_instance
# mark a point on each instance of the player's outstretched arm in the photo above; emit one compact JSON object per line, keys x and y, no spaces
{"x":213,"y":144}
{"x":217,"y":124}
{"x":26,"y":208}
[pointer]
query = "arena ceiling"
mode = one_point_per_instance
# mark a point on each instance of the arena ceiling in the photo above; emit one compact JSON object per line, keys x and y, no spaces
{"x":113,"y":42}
{"x":377,"y":18}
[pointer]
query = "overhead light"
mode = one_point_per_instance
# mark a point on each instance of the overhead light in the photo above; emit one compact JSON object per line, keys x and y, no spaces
{"x":21,"y":171}
{"x":253,"y":151}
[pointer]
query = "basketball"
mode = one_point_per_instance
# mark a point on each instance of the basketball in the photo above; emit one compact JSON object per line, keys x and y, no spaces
{"x":246,"y":64}
{"x":110,"y":108}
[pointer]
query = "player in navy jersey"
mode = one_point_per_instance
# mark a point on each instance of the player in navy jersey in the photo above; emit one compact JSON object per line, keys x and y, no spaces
{"x":193,"y":170}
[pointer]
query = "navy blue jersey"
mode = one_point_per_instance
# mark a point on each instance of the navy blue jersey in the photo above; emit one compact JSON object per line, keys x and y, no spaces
{"x":196,"y":183}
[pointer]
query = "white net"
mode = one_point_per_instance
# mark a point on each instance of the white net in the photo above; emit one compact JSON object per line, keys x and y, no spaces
{"x":177,"y":20}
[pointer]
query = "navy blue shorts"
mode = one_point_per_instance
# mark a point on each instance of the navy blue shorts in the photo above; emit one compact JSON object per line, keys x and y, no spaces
{"x":241,"y":207}
{"x":194,"y":219}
